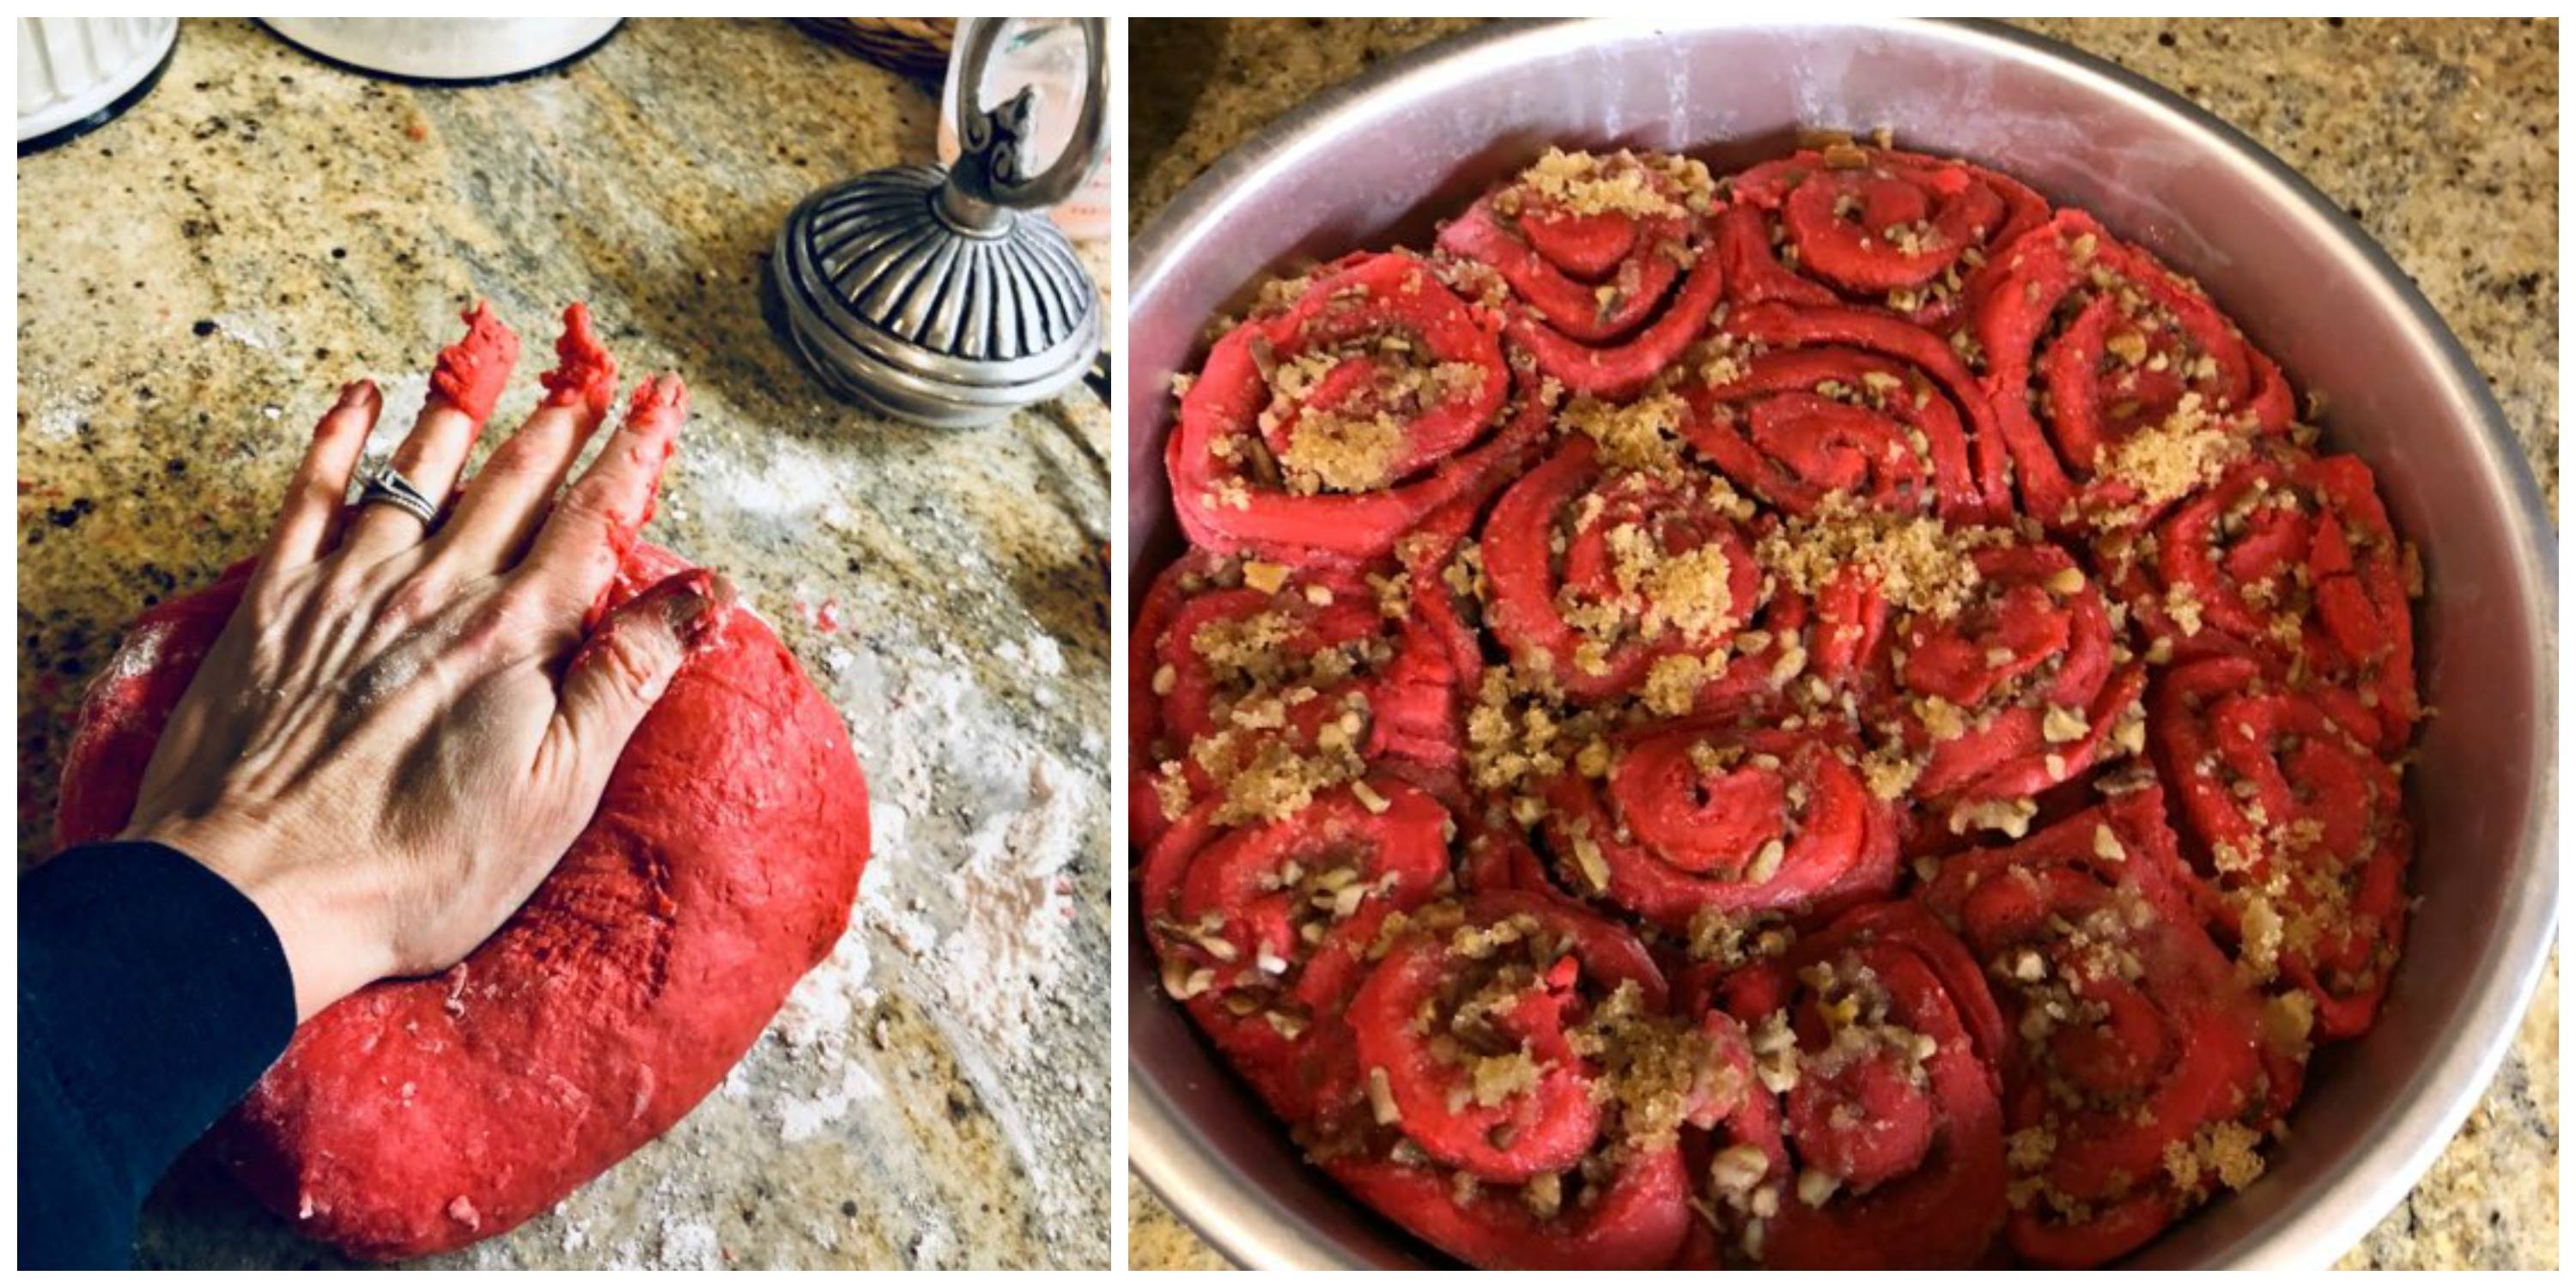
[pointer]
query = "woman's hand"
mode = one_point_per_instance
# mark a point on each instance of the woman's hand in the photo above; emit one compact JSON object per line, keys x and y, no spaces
{"x":402,"y":730}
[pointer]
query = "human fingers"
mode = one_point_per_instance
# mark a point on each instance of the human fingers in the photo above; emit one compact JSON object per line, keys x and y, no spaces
{"x":590,"y":528}
{"x":495,"y":517}
{"x":620,"y":672}
{"x":309,"y":519}
{"x":462,"y":389}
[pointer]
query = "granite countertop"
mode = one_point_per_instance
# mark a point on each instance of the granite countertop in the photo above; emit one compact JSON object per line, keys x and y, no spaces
{"x":2440,"y":137}
{"x":195,"y":281}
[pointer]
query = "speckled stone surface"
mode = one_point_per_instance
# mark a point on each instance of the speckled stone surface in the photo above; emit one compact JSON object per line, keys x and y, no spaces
{"x":196,"y":280}
{"x":2440,"y":137}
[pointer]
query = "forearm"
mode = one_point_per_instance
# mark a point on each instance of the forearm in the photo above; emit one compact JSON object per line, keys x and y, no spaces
{"x":151,"y":994}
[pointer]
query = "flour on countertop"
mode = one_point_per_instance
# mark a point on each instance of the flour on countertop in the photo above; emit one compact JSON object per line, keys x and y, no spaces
{"x":689,"y":1245}
{"x":1017,"y":902}
{"x":801,"y":1119}
{"x":247,"y":329}
{"x":1000,"y":858}
{"x":781,"y":482}
{"x":817,"y":1026}
{"x":59,"y":418}
{"x":1040,"y":654}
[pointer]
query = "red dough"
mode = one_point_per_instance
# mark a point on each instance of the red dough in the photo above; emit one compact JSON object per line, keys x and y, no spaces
{"x":2033,"y":691}
{"x":1698,"y":818}
{"x":1900,"y":614}
{"x":1931,"y":437}
{"x":472,"y":372}
{"x":421,"y":1115}
{"x":1601,"y":299}
{"x":2300,"y":831}
{"x":1521,"y":972}
{"x":2144,"y":345}
{"x":1833,"y":211}
{"x":1317,"y":644}
{"x":2094,"y":913}
{"x":1912,"y":1139}
{"x":1547,"y":547}
{"x":1391,"y":342}
{"x":1547,"y":1128}
{"x":585,"y":376}
{"x":1229,"y":910}
{"x":2291,"y":563}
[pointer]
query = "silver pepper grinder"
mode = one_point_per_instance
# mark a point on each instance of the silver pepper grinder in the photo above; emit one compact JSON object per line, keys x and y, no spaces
{"x":945,"y":297}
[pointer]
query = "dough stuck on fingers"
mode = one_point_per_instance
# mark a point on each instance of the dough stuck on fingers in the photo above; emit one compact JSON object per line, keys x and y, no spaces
{"x":585,"y":376}
{"x":505,"y":501}
{"x":472,"y":372}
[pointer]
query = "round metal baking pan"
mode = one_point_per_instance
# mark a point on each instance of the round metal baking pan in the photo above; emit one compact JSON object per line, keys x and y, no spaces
{"x":1376,"y":161}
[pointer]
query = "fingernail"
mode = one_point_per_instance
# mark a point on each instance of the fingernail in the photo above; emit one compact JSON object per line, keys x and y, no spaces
{"x":695,"y":613}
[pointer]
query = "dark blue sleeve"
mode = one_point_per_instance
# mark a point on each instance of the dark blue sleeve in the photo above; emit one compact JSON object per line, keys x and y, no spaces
{"x":151,"y":995}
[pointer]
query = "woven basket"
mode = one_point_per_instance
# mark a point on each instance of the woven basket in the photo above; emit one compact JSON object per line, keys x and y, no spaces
{"x":910,"y":46}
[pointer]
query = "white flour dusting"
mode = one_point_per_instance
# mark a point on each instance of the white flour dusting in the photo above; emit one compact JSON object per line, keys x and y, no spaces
{"x":59,"y":418}
{"x":816,"y":1026}
{"x":818,"y":1012}
{"x":1016,"y":902}
{"x":1000,"y":856}
{"x":246,"y":329}
{"x":802,"y":1118}
{"x":1040,"y":654}
{"x":689,"y":1245}
{"x":790,"y":484}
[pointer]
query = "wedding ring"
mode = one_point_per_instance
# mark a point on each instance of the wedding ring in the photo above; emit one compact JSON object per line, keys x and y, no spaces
{"x":387,"y":485}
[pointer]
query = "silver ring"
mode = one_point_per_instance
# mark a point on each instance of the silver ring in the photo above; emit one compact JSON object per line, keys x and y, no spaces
{"x":386,"y":484}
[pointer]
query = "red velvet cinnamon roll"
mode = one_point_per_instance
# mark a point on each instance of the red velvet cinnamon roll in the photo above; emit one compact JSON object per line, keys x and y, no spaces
{"x":1263,"y":927}
{"x":1846,"y":224}
{"x":1252,"y":679}
{"x":2299,"y":830}
{"x":1606,"y":266}
{"x":1809,"y":403}
{"x":1325,"y":427}
{"x":1611,"y":581}
{"x":1529,"y":1088}
{"x":1675,"y":820}
{"x":1874,"y":1136}
{"x":2012,"y":686}
{"x":2146,"y":1072}
{"x":2290,"y":561}
{"x":2118,"y":386}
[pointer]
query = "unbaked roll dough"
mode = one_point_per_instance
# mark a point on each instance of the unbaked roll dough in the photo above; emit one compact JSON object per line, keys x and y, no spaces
{"x":420,"y":1115}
